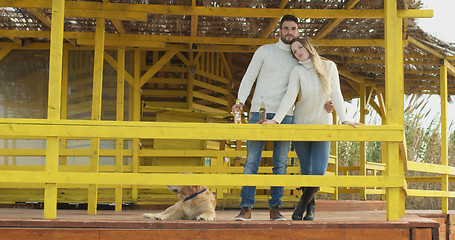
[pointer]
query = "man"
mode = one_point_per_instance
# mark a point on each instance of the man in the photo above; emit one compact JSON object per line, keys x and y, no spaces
{"x":271,"y":65}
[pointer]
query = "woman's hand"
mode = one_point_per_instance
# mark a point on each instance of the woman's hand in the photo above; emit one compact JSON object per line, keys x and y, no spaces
{"x":354,"y":124}
{"x":270,"y":122}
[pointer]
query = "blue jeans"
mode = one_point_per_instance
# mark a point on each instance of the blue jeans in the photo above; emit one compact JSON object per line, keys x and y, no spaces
{"x":253,"y":159}
{"x":313,"y":157}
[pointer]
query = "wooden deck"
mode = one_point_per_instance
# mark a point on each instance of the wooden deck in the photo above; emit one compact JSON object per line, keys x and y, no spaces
{"x":342,"y":223}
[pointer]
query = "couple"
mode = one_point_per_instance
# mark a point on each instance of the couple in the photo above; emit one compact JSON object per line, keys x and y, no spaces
{"x":282,"y":70}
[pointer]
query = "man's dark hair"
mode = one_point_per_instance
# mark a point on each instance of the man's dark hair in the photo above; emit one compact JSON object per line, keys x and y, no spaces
{"x":289,"y":17}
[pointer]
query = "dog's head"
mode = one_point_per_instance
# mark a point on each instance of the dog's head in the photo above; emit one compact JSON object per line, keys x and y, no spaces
{"x":183,"y":191}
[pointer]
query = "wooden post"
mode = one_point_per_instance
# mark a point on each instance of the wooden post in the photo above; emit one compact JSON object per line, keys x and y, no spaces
{"x":119,"y":117}
{"x":53,"y":104}
{"x":362,"y":150}
{"x":394,"y":86}
{"x":96,"y":110}
{"x":444,"y":146}
{"x":136,"y":116}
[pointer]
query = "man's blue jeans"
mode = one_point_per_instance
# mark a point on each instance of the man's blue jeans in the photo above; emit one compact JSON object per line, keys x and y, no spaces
{"x":253,"y":159}
{"x":313,"y":157}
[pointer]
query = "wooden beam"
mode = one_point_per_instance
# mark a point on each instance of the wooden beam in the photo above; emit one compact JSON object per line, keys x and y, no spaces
{"x":122,"y":10}
{"x":54,"y":104}
{"x":118,"y":24}
{"x":353,"y":76}
{"x":188,"y":39}
{"x":45,"y":20}
{"x":115,"y":65}
{"x":41,"y":16}
{"x":157,"y":66}
{"x":5,"y":52}
{"x":16,"y":40}
{"x":334,"y":22}
{"x":424,"y":47}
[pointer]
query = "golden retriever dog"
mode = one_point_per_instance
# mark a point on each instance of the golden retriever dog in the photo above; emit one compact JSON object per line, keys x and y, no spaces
{"x":195,"y":203}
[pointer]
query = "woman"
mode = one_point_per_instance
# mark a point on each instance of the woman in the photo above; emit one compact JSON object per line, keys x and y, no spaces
{"x":318,"y":81}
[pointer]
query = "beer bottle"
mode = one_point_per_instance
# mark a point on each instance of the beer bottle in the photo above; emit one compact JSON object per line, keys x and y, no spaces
{"x":262,"y":113}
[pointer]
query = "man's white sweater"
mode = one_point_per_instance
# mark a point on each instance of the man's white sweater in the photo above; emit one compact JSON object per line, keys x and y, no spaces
{"x":271,"y":65}
{"x":310,"y":107}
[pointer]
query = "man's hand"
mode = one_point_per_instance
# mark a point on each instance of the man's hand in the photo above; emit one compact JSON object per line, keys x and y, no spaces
{"x":328,"y":106}
{"x":237,"y":107}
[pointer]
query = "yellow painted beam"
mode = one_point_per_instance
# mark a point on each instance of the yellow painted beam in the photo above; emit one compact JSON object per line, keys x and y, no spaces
{"x":4,"y":52}
{"x":194,"y":21}
{"x":428,"y":167}
{"x":212,"y":76}
{"x":75,"y":7}
{"x":41,"y":16}
{"x":96,"y":110}
{"x":353,"y":76}
{"x":444,"y":134}
{"x":211,"y":98}
{"x":211,"y":87}
{"x":157,"y":66}
{"x":198,"y":179}
{"x":98,"y":69}
{"x":16,"y":40}
{"x":394,"y":103}
{"x":362,"y":148}
{"x":424,"y":47}
{"x":115,"y":65}
{"x":125,"y":43}
{"x":182,"y":58}
{"x":119,"y":152}
{"x":450,"y":67}
{"x":429,"y":193}
{"x":118,"y":24}
{"x":56,"y":61}
{"x":135,"y":38}
{"x":54,"y":104}
{"x":326,"y":29}
{"x":164,"y":92}
{"x":165,"y":130}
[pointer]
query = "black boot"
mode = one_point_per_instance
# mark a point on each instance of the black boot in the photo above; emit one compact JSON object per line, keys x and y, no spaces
{"x":307,"y":196}
{"x":298,"y":213}
{"x":309,"y":216}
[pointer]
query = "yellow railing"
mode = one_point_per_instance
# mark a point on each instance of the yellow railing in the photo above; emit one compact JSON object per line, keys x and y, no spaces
{"x":60,"y":176}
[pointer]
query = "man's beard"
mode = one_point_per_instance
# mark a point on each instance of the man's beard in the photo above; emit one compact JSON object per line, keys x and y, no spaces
{"x":285,"y":41}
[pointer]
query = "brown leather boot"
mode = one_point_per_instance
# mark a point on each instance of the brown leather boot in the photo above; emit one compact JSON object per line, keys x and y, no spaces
{"x":275,"y":214}
{"x":244,"y":215}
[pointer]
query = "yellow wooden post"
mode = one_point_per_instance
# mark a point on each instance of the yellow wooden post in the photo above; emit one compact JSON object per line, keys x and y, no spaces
{"x":119,"y":117}
{"x":53,"y":104}
{"x":444,"y":146}
{"x":96,"y":110}
{"x":334,"y":152}
{"x":394,"y":86}
{"x":64,"y":113}
{"x":190,"y":85}
{"x":136,"y":116}
{"x":362,"y":150}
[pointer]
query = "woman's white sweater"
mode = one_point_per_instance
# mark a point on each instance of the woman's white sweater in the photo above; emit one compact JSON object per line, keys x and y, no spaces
{"x":271,"y":65}
{"x":310,"y":107}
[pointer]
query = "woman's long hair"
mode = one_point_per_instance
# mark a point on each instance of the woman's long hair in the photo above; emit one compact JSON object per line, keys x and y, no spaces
{"x":319,"y":63}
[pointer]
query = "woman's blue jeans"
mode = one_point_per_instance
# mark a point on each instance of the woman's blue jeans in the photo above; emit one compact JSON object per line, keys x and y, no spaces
{"x":313,"y":157}
{"x":253,"y":159}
